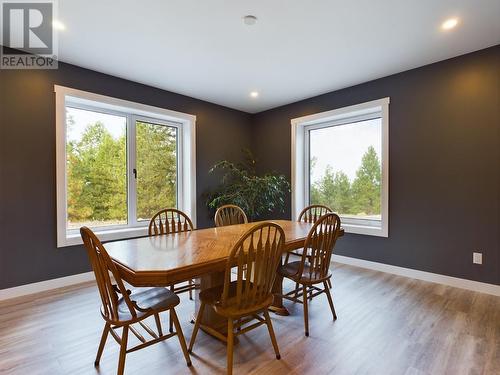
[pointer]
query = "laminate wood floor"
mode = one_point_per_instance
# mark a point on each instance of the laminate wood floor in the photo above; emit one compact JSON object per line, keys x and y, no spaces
{"x":387,"y":325}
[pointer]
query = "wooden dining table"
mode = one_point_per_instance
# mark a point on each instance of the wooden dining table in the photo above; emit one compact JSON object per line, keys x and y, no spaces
{"x":163,"y":260}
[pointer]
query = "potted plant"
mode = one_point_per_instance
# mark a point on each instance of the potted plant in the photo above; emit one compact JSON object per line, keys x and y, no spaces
{"x":242,"y":186}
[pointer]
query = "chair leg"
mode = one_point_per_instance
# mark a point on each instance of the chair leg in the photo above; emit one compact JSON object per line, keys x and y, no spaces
{"x":104,"y":336}
{"x":330,"y":301}
{"x":180,"y":336}
{"x":158,"y":325}
{"x":190,"y":290}
{"x":196,"y":327}
{"x":306,"y":312}
{"x":170,"y":322}
{"x":123,"y":351}
{"x":329,"y":283}
{"x":271,"y":333}
{"x":230,"y":345}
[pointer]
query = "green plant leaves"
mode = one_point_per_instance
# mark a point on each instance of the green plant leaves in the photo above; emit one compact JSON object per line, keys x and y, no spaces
{"x":242,"y":186}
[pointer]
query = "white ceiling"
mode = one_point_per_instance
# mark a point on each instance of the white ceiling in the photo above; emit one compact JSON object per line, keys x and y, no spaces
{"x":297,"y":49}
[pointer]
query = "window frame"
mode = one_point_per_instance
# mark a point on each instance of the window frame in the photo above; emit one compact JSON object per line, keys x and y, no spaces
{"x":185,"y":125}
{"x":301,"y":160}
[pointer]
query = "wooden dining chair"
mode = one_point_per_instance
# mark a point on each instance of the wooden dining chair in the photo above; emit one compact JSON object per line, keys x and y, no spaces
{"x":243,"y":300}
{"x":310,"y":214}
{"x":168,"y":221}
{"x":230,"y":214}
{"x":122,"y":308}
{"x":314,"y":266}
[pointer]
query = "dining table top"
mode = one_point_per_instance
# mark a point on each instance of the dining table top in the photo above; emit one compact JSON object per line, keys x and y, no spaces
{"x":165,"y":259}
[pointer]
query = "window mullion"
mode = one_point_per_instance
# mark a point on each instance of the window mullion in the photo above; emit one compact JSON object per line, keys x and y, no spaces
{"x":131,"y":165}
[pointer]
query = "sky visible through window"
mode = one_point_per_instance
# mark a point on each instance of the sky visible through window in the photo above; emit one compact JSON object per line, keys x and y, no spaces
{"x":346,"y":168}
{"x":343,"y":146}
{"x":115,"y":125}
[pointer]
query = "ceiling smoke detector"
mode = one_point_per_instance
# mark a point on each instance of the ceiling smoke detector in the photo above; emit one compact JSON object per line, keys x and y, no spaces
{"x":249,"y":20}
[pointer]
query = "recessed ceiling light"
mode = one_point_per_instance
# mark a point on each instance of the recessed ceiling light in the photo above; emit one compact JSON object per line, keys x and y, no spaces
{"x":249,"y":20}
{"x":58,"y":25}
{"x":254,"y":94}
{"x":449,"y":24}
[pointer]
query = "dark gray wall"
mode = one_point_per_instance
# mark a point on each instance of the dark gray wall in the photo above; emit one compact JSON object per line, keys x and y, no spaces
{"x":444,"y":193}
{"x":28,"y":250}
{"x":444,"y":163}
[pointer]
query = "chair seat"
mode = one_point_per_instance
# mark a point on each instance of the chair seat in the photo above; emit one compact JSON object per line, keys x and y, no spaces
{"x":154,"y":300}
{"x":290,"y":270}
{"x":213,"y":295}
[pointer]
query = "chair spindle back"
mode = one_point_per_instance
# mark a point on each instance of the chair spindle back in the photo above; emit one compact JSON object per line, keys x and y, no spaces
{"x":169,"y":220}
{"x":312,"y":213}
{"x":256,"y":256}
{"x":319,"y":244}
{"x":103,"y":266}
{"x":229,"y":214}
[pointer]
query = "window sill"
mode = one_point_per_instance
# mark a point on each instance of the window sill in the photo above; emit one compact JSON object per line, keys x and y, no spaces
{"x":365,"y":230}
{"x":104,"y":235}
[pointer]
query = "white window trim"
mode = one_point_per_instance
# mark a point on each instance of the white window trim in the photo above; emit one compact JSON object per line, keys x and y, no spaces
{"x":186,"y":125}
{"x":300,"y":178}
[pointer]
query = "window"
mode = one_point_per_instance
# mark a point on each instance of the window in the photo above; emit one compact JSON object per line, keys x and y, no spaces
{"x":96,"y":168}
{"x":119,"y":162}
{"x":340,"y":159}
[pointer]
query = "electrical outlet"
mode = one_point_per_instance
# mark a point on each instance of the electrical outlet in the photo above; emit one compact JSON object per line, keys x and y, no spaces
{"x":477,"y":258}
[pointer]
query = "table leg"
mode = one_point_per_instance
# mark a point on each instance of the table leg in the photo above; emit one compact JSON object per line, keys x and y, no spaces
{"x":210,"y":318}
{"x":277,"y":306}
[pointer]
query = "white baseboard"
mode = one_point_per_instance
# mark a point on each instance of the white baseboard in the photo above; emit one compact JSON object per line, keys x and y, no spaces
{"x":44,"y":286}
{"x":456,"y":282}
{"x":476,"y":286}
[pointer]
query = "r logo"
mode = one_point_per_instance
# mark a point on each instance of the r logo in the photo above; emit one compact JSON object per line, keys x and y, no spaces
{"x":28,"y":27}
